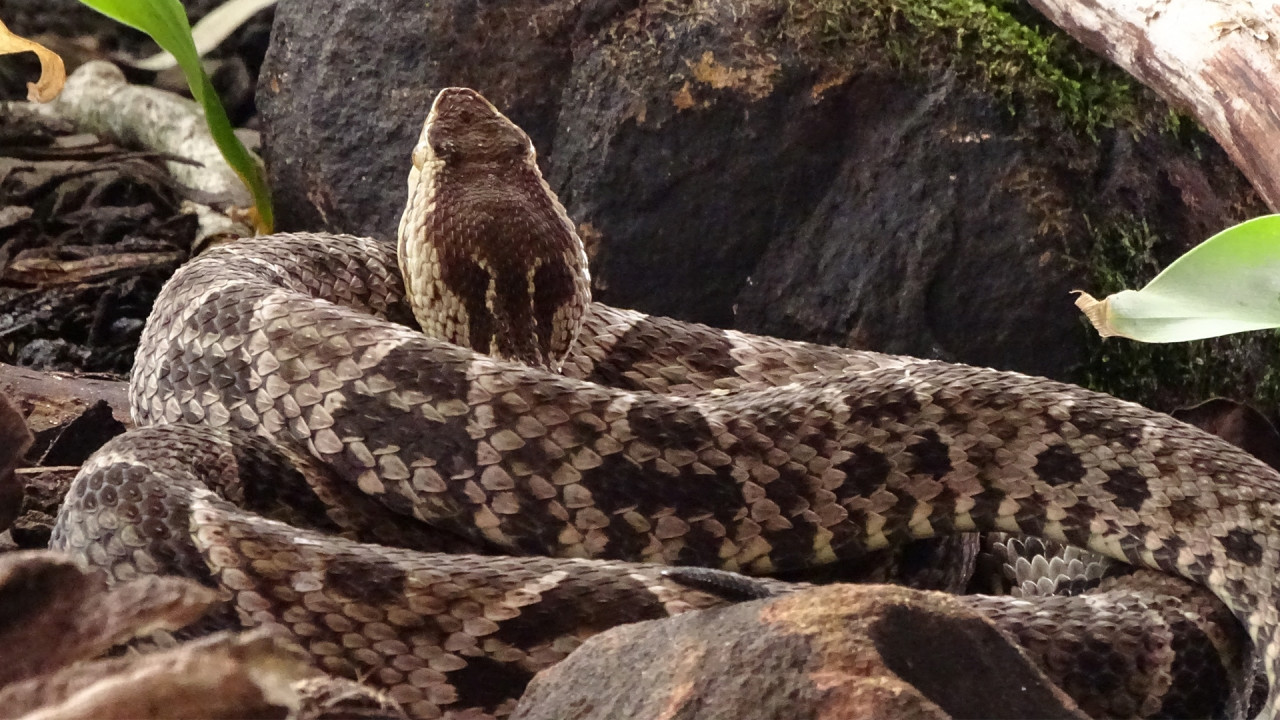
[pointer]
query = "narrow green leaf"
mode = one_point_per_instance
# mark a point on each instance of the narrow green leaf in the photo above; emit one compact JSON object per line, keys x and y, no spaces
{"x":1229,"y":283}
{"x":166,"y":22}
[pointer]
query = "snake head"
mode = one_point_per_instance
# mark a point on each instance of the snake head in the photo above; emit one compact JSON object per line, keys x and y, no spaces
{"x":464,"y":128}
{"x":491,"y":260}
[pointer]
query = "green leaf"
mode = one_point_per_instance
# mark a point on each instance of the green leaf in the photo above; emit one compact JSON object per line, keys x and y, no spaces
{"x":1230,"y":283}
{"x":166,"y":22}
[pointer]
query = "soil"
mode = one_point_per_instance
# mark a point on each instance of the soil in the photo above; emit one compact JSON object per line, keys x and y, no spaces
{"x":89,"y":231}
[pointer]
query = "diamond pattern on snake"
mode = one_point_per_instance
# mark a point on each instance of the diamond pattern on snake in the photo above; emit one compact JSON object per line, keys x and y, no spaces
{"x":444,"y":514}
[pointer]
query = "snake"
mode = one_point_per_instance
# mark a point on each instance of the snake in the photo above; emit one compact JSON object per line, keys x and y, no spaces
{"x":442,"y":494}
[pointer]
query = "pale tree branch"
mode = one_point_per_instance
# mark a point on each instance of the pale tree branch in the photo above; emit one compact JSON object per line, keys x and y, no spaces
{"x":1217,"y":59}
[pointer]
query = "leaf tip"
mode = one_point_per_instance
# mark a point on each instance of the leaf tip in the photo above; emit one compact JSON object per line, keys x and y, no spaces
{"x":1098,"y":312}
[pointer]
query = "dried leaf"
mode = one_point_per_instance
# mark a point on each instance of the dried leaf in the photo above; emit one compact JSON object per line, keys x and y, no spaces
{"x":226,"y":675}
{"x":53,"y":74}
{"x":1238,"y":424}
{"x":56,"y":613}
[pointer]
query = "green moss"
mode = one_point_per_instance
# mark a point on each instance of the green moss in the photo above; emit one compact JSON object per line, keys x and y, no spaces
{"x":1167,"y":376}
{"x":1002,"y":45}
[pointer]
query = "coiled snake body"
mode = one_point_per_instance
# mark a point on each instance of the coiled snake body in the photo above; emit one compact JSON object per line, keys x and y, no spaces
{"x":661,"y":442}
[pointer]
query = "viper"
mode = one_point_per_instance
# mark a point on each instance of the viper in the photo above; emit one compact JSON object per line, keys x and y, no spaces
{"x":444,"y":514}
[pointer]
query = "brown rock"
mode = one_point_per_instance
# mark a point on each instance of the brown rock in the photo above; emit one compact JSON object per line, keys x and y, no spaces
{"x":15,"y":438}
{"x":839,"y":651}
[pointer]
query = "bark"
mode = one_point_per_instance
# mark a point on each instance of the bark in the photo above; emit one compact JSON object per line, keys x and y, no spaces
{"x":1219,"y":61}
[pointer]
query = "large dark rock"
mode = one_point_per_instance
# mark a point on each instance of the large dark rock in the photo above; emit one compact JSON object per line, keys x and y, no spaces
{"x":729,"y":166}
{"x":344,"y":94}
{"x":840,"y":651}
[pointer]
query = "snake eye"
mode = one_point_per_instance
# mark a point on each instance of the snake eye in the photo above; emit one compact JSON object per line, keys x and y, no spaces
{"x":444,"y":149}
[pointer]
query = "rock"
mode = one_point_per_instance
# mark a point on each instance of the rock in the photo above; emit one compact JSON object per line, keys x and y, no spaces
{"x":762,"y":165}
{"x":32,"y":530}
{"x":343,"y":100}
{"x":15,"y":438}
{"x":833,"y":651}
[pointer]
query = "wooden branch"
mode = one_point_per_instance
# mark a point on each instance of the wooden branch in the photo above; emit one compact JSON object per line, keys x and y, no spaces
{"x":98,"y":99}
{"x":1220,"y":61}
{"x":52,"y":399}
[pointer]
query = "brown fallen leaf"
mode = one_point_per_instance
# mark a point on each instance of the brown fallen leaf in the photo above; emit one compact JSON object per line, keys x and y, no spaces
{"x":58,"y":617}
{"x":254,"y":674}
{"x":227,"y":675}
{"x":53,"y":74}
{"x":1098,"y":312}
{"x":56,"y":613}
{"x":1238,"y":424}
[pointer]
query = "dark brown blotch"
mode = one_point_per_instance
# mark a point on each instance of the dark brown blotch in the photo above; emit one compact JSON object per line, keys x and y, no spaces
{"x":620,"y":483}
{"x":433,"y":369}
{"x":895,"y":407}
{"x":1184,"y":509}
{"x":553,"y":288}
{"x":569,"y":608}
{"x":266,"y":482}
{"x":1129,"y":486}
{"x":865,"y":471}
{"x":470,"y":283}
{"x":486,"y":683}
{"x":1196,"y":656}
{"x":986,"y":504}
{"x":930,"y":454}
{"x":1059,"y":465}
{"x":649,"y":339}
{"x":1126,"y":436}
{"x":1242,"y":547}
{"x":1076,"y":529}
{"x":791,"y":547}
{"x":373,"y":582}
{"x":663,"y":426}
